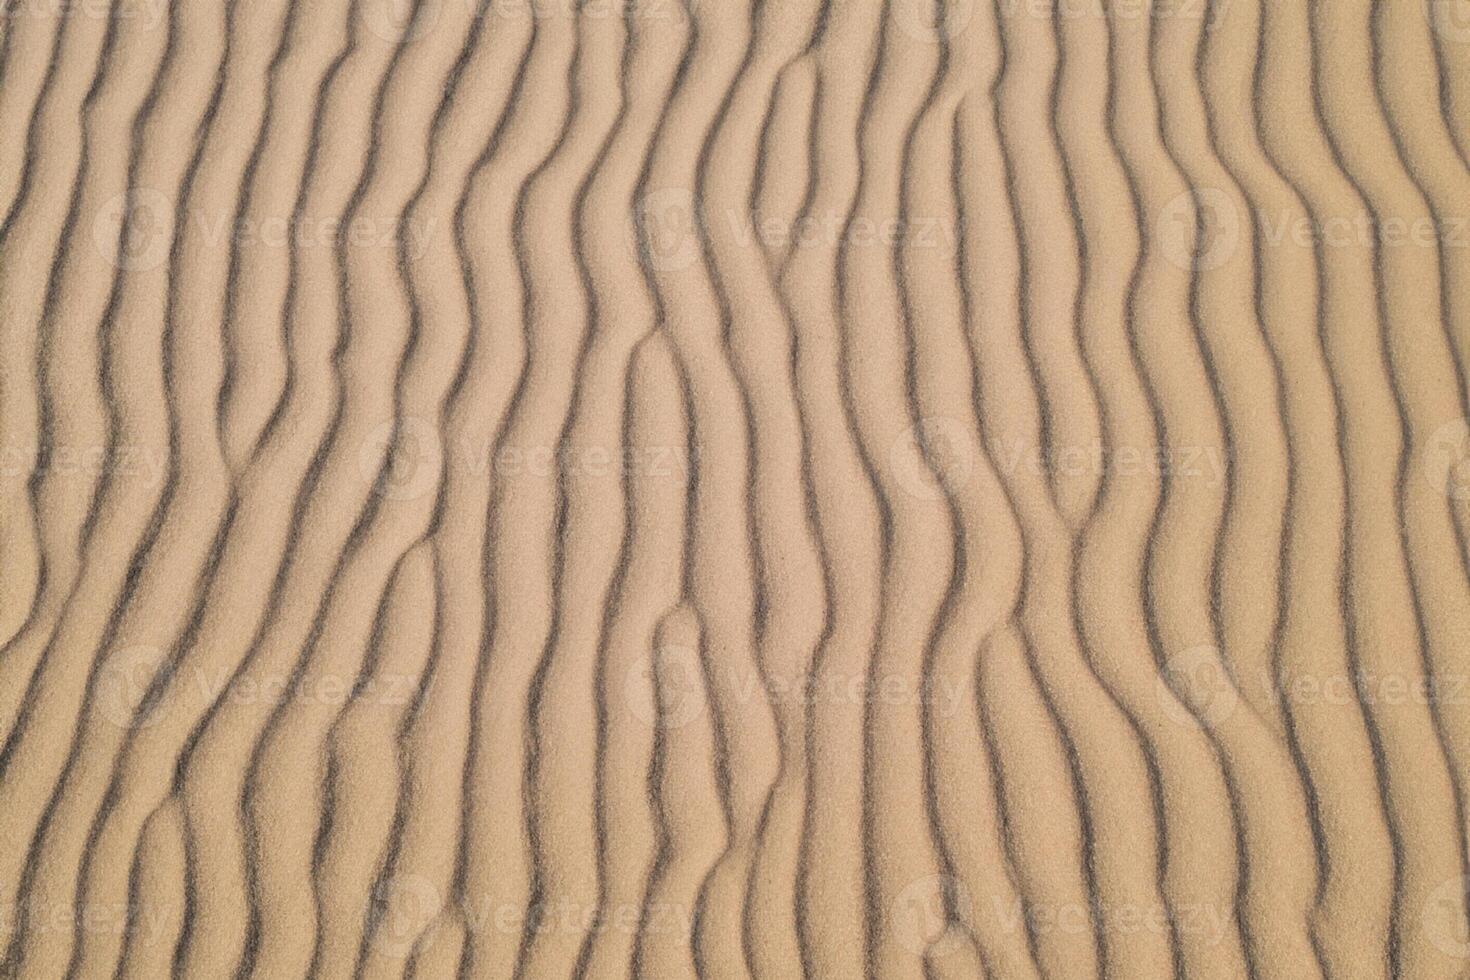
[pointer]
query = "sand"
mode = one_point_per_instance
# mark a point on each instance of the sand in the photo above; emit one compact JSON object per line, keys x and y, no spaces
{"x":735,"y":488}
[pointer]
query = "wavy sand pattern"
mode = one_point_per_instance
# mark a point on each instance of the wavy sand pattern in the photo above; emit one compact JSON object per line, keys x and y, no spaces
{"x":735,"y":488}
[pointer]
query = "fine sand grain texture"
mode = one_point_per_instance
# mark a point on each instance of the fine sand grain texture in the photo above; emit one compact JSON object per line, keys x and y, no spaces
{"x":735,"y":489}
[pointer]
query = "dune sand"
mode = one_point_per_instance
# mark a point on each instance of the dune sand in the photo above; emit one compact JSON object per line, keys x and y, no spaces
{"x":735,"y":488}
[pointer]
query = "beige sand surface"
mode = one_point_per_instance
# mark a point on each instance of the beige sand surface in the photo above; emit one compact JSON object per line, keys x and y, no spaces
{"x":735,"y":489}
